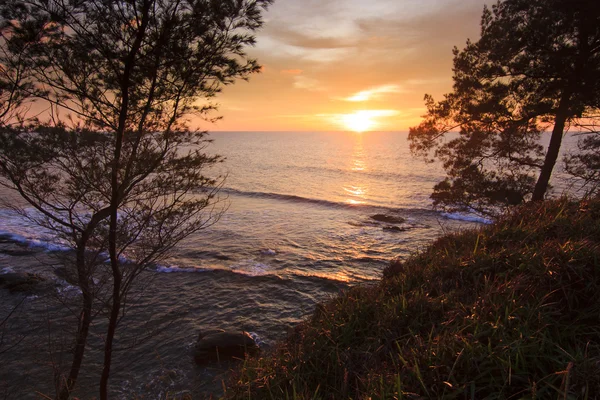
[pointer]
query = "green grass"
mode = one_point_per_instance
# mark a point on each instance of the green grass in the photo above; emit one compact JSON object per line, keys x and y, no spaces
{"x":509,"y":311}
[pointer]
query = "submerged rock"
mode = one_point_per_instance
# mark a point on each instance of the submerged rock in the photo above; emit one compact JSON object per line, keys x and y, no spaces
{"x":223,"y":346}
{"x":390,"y":219}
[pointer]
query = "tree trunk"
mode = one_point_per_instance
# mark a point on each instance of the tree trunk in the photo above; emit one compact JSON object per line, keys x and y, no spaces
{"x":553,"y":148}
{"x":85,"y":320}
{"x":116,"y":200}
{"x":110,"y":335}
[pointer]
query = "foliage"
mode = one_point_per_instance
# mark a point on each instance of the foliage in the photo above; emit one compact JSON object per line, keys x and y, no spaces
{"x":585,"y":164}
{"x":121,"y":177}
{"x":506,"y":311}
{"x":535,"y":67}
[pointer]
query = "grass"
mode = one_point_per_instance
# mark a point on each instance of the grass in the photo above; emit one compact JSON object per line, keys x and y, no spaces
{"x":509,"y":311}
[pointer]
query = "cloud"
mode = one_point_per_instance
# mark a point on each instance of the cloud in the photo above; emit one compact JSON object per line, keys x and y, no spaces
{"x":291,"y":72}
{"x":384,"y":54}
{"x":306,"y":83}
{"x":375,"y":93}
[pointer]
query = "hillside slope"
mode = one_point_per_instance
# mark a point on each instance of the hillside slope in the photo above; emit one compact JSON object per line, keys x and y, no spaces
{"x":509,"y":311}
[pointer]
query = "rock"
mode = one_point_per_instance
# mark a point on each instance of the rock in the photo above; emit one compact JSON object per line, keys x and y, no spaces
{"x":21,"y":281}
{"x":67,"y":274}
{"x":6,"y":238}
{"x":392,"y":228}
{"x":390,"y":219}
{"x":17,"y":252}
{"x":223,"y":346}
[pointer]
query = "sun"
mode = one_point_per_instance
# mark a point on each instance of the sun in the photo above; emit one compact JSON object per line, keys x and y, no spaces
{"x":358,"y":121}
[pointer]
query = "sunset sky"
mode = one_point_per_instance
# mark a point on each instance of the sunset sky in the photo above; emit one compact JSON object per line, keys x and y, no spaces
{"x":333,"y":64}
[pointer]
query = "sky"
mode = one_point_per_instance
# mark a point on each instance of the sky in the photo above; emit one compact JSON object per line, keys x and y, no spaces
{"x":362,"y":65}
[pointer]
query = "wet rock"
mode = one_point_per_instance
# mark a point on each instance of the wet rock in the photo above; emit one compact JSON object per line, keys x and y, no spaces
{"x":392,"y":228}
{"x":223,"y":346}
{"x":21,"y":282}
{"x":6,"y":239}
{"x":67,"y":274}
{"x":9,"y":247}
{"x":17,"y":252}
{"x":390,"y":219}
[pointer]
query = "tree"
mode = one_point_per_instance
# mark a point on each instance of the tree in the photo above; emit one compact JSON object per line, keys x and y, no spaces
{"x":535,"y":67}
{"x":120,"y":178}
{"x":585,"y":164}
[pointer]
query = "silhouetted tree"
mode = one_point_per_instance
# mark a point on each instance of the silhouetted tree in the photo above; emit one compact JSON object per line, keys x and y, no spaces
{"x":585,"y":163}
{"x":121,"y":177}
{"x":535,"y":67}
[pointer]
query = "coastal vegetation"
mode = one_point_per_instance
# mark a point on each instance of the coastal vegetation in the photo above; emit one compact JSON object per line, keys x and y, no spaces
{"x":115,"y":172}
{"x":510,"y":310}
{"x":507,"y":310}
{"x":535,"y":68}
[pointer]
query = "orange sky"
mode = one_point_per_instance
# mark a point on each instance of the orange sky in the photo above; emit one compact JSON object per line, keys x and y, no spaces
{"x":332,"y":64}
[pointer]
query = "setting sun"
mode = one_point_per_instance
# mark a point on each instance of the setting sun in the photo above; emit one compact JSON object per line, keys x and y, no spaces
{"x":359,"y":121}
{"x":364,"y":120}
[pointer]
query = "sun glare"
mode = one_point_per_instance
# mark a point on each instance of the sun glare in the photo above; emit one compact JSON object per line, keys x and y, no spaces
{"x":358,"y":121}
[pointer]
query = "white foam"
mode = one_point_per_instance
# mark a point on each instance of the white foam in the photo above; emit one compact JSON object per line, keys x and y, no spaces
{"x":174,"y":268}
{"x":268,"y":252}
{"x":67,"y":289}
{"x":257,"y":339}
{"x":467,"y":217}
{"x":6,"y":270}
{"x":22,"y":230}
{"x":251,"y":268}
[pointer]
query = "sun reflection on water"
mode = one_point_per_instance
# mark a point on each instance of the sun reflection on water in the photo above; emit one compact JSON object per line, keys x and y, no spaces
{"x":357,"y":188}
{"x":355,"y":191}
{"x":358,"y":155}
{"x":359,"y":165}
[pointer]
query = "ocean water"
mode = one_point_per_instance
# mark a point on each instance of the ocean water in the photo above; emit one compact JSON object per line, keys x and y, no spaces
{"x":298,"y":229}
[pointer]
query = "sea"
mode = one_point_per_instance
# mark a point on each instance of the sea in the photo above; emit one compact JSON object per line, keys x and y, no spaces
{"x":299,"y":226}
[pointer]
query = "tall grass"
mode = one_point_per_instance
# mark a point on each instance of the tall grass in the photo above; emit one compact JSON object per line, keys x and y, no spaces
{"x":509,"y":311}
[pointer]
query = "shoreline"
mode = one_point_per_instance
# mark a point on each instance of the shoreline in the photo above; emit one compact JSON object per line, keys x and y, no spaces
{"x":506,"y":309}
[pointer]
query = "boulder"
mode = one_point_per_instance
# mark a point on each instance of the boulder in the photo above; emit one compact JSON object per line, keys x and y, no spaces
{"x":17,"y":252}
{"x":390,"y":219}
{"x":21,"y":281}
{"x":67,"y":274}
{"x":224,"y":346}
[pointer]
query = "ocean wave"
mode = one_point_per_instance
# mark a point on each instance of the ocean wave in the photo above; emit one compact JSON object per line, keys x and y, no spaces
{"x":467,"y":218}
{"x":252,"y":268}
{"x":174,"y":268}
{"x":248,"y":268}
{"x":255,"y":269}
{"x":336,"y":277}
{"x":258,"y":339}
{"x":326,"y":203}
{"x":15,"y":228}
{"x":66,"y":289}
{"x":6,"y":270}
{"x":42,"y":242}
{"x":293,"y":198}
